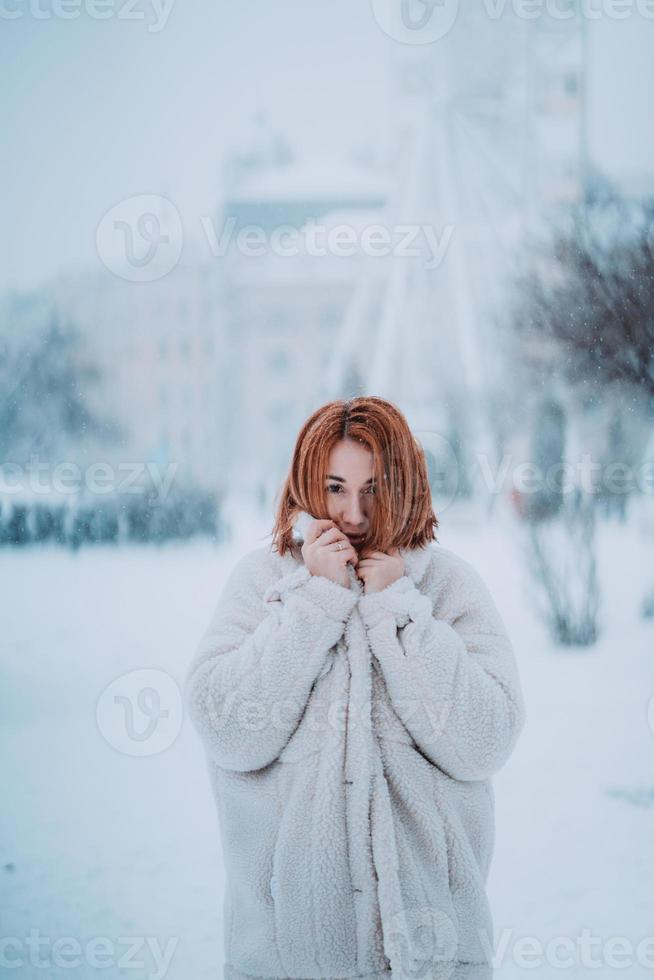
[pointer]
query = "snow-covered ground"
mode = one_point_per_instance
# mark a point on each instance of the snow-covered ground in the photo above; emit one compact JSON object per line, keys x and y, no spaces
{"x":112,"y":840}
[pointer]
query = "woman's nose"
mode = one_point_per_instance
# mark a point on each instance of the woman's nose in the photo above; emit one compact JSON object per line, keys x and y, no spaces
{"x":353,"y":513}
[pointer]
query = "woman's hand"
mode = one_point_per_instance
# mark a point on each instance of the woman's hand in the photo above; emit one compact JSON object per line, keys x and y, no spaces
{"x":380,"y":569}
{"x":321,"y":553}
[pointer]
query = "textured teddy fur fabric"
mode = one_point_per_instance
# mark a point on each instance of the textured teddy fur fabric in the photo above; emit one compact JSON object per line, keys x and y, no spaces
{"x":351,"y":739}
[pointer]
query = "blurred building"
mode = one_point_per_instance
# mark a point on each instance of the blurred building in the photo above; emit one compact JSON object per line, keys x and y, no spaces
{"x":294,"y":261}
{"x":212,"y":368}
{"x":164,"y":362}
{"x":290,"y":299}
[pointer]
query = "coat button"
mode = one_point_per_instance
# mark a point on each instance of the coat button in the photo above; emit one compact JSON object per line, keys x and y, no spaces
{"x":273,"y":886}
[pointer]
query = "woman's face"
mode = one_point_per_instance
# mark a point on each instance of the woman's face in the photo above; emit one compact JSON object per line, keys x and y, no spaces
{"x":350,"y":489}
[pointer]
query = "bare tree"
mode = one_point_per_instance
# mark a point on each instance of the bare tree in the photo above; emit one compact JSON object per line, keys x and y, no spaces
{"x":591,"y":294}
{"x":586,"y":314}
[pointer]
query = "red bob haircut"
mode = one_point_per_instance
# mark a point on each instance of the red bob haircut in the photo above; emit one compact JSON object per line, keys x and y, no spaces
{"x":402,"y":516}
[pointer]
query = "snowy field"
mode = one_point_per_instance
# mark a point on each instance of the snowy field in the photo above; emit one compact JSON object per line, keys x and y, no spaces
{"x":112,"y":841}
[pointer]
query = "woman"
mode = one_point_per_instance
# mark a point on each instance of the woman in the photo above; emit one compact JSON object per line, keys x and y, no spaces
{"x":355,"y":692}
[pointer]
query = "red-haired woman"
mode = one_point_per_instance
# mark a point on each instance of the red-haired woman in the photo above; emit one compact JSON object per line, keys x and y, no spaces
{"x":355,"y":691}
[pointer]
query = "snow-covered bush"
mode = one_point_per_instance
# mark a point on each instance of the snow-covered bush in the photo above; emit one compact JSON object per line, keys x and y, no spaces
{"x":120,"y":518}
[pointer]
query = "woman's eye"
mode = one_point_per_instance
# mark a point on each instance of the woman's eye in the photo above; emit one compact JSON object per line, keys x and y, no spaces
{"x":337,"y":488}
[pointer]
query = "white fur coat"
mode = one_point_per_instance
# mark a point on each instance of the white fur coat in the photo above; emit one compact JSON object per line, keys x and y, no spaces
{"x":351,"y":740}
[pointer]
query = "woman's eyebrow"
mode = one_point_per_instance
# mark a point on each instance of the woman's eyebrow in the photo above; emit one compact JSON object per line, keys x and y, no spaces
{"x":340,"y":479}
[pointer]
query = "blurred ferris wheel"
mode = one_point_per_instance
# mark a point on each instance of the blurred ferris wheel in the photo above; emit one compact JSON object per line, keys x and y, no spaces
{"x":486,"y":137}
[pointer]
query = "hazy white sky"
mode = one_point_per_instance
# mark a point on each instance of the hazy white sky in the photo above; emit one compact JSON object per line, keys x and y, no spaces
{"x":93,"y":111}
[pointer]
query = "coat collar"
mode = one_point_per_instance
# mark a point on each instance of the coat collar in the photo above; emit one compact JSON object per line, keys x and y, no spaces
{"x":416,"y":560}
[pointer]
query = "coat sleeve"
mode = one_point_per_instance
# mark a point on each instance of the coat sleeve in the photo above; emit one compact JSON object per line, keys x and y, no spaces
{"x":453,"y":682}
{"x":253,"y":670}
